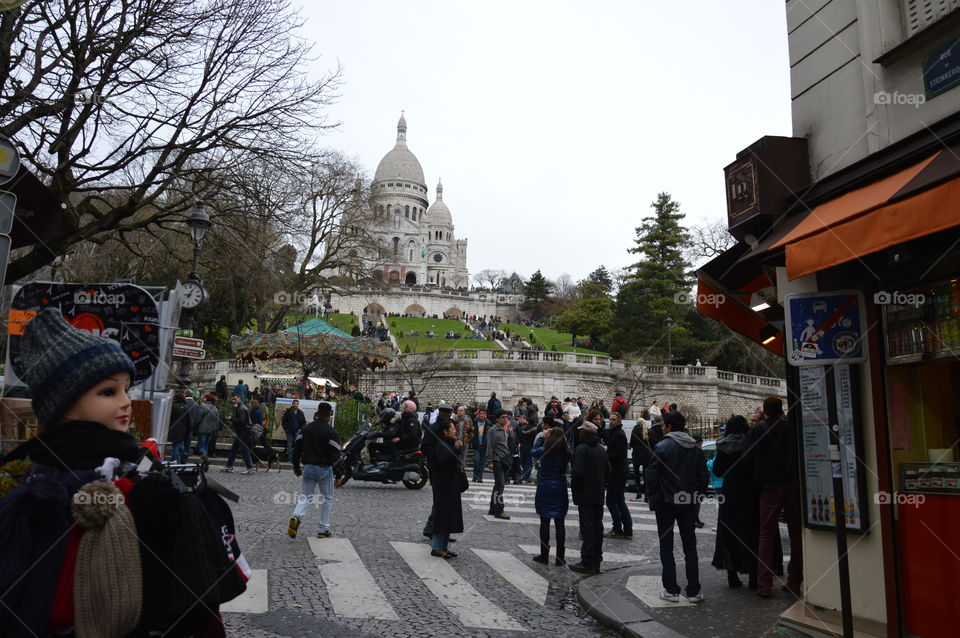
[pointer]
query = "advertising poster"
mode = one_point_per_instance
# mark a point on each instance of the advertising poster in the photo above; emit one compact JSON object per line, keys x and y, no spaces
{"x":820,"y":507}
{"x":825,"y":327}
{"x":121,"y":312}
{"x":309,"y":408}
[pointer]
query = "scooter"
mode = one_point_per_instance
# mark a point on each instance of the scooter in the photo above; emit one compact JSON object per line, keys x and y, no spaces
{"x":410,"y":469}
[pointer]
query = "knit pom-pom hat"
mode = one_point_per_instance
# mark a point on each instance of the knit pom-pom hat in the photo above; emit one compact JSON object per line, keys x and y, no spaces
{"x":62,"y":363}
{"x":108,"y":581}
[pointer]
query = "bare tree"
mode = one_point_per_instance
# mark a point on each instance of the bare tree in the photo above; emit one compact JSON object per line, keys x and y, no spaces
{"x":131,"y":110}
{"x":491,"y":277}
{"x":633,"y":380}
{"x":418,"y":370}
{"x":708,"y":241}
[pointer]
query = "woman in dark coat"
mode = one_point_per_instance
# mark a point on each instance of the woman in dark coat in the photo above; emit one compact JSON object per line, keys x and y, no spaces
{"x":445,"y":470}
{"x":738,"y":521}
{"x":551,"y":500}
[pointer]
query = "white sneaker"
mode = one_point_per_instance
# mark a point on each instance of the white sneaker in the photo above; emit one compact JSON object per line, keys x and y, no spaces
{"x":696,"y":600}
{"x":670,"y":598}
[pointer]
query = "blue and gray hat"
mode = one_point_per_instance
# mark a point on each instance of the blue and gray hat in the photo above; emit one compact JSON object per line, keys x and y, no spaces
{"x":62,"y":363}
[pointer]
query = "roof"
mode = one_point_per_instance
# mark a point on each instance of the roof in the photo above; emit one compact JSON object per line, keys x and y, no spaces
{"x":317,"y":326}
{"x":438,"y":214}
{"x":400,"y":162}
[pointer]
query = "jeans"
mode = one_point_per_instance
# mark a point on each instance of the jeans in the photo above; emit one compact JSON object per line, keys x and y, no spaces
{"x":772,"y":500}
{"x":316,"y":476}
{"x":591,"y":526}
{"x":500,"y":470}
{"x":479,"y":462}
{"x":203,"y":442}
{"x":440,"y":542}
{"x":239,"y":445}
{"x":290,"y":440}
{"x":684,"y":516}
{"x":178,"y":452}
{"x":526,"y":463}
{"x":617,"y":504}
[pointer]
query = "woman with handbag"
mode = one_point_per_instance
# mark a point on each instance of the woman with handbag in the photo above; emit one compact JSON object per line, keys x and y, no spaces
{"x":447,"y":480}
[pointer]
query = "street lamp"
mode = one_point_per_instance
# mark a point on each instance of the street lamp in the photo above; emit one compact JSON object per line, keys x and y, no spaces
{"x":193,"y":296}
{"x":669,"y":321}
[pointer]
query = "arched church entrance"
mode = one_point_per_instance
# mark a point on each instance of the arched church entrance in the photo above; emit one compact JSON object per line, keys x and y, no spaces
{"x":374,"y":312}
{"x":453,"y":313}
{"x":415,"y":310}
{"x":394,"y":277}
{"x":411,"y":279}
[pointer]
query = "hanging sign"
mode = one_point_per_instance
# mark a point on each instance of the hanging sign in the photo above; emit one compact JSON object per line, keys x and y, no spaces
{"x":825,"y":327}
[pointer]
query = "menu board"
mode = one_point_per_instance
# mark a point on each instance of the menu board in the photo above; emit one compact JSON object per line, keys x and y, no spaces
{"x":821,"y":509}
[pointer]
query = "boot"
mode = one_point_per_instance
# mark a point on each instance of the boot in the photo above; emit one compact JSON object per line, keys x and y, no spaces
{"x":560,"y":562}
{"x":544,"y":556}
{"x":733,"y":580}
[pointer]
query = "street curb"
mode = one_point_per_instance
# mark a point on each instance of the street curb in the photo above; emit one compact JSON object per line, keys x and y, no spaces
{"x":606,"y":598}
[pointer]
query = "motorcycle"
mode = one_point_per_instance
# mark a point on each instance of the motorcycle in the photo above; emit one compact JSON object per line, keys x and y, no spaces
{"x":410,"y":469}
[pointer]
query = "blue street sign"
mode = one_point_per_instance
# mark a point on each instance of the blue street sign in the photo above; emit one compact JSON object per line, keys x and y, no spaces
{"x":825,"y":327}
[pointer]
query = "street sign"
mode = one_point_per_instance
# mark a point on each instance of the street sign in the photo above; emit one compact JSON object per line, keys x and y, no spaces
{"x":189,"y":353}
{"x":188,"y":342}
{"x":9,"y":160}
{"x":825,"y":327}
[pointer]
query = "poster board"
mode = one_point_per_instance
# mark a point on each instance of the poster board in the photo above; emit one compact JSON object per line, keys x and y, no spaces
{"x":307,"y":406}
{"x":819,"y":509}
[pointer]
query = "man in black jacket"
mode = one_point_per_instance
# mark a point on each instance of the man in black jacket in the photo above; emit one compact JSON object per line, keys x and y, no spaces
{"x":318,"y":446}
{"x":616,"y":503}
{"x":240,"y":422}
{"x":772,"y":448}
{"x":292,"y":422}
{"x":589,"y":475}
{"x":676,"y":478}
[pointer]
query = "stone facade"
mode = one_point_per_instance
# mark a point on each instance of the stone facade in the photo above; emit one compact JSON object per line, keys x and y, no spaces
{"x":373,"y":303}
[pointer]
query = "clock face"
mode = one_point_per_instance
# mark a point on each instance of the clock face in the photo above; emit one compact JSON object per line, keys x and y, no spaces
{"x":192,"y":295}
{"x":438,"y":257}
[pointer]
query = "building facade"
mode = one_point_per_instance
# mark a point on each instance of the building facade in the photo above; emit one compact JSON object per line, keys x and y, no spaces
{"x":862,"y":206}
{"x":415,"y":240}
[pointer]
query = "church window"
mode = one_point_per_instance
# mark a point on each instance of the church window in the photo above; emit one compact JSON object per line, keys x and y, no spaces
{"x":406,"y":212}
{"x":388,"y":209}
{"x":414,"y":214}
{"x":396,"y":245}
{"x":390,"y":184}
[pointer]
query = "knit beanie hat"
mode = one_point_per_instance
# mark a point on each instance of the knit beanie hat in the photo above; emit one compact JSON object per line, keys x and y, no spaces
{"x":108,"y":581}
{"x":63,"y":362}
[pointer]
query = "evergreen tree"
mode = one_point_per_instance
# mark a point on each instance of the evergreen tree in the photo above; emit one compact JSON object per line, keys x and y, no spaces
{"x":648,"y":296}
{"x":592,"y":312}
{"x":537,"y":291}
{"x":601,"y":276}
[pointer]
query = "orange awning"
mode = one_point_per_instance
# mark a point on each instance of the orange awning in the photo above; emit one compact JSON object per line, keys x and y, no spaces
{"x":734,"y":315}
{"x":872,"y":218}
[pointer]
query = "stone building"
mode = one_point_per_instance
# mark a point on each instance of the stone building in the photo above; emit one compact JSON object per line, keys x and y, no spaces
{"x":415,"y":239}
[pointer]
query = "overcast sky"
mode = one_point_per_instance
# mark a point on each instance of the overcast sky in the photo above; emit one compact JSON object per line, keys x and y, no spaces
{"x":554,"y":124}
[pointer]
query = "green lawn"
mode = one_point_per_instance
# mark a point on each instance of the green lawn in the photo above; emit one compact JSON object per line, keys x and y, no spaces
{"x":342,"y":321}
{"x":439,"y":327}
{"x":548,"y":337}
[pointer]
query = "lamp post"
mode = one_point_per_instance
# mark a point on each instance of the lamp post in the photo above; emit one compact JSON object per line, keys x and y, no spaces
{"x":669,"y":321}
{"x":193,"y":296}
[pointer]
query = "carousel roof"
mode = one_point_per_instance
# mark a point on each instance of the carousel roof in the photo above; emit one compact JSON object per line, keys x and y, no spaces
{"x":314,"y":326}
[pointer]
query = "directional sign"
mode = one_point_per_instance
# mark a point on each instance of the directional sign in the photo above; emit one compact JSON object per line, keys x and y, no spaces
{"x":188,"y":342}
{"x":825,"y":327}
{"x":189,"y":353}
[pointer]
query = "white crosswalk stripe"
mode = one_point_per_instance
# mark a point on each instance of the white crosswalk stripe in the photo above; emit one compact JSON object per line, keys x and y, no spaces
{"x":573,"y":511}
{"x":529,"y":582}
{"x":523,"y":520}
{"x":254,"y":600}
{"x":470,"y":607}
{"x":350,"y":586}
{"x":608,"y":557}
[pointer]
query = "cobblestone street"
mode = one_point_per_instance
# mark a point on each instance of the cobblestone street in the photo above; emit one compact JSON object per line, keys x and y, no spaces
{"x":492,"y":588}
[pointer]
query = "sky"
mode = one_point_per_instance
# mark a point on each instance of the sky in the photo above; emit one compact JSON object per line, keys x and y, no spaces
{"x":554,"y":124}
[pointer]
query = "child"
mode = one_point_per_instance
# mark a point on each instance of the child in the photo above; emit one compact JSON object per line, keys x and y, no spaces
{"x":88,"y":554}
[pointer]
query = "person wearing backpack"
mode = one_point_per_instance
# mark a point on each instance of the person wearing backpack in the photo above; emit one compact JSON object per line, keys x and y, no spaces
{"x":620,"y":405}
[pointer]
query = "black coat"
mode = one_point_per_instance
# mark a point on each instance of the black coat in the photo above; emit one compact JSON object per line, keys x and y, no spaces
{"x":181,"y":420}
{"x":642,"y":449}
{"x":76,"y":445}
{"x":772,"y":449}
{"x":445,"y":472}
{"x":617,"y":454}
{"x":678,"y":472}
{"x":590,"y":472}
{"x":738,"y":521}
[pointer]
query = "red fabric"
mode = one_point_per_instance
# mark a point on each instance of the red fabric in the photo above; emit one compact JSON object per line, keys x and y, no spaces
{"x":61,"y":612}
{"x":151,"y":445}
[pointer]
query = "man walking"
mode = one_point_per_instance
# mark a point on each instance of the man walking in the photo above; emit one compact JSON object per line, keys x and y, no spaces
{"x":480,"y":428}
{"x":240,"y":422}
{"x":676,"y":477}
{"x":500,"y":459}
{"x":589,"y":475}
{"x":493,"y":405}
{"x":318,"y":446}
{"x":292,"y":421}
{"x":616,"y":503}
{"x":772,"y":448}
